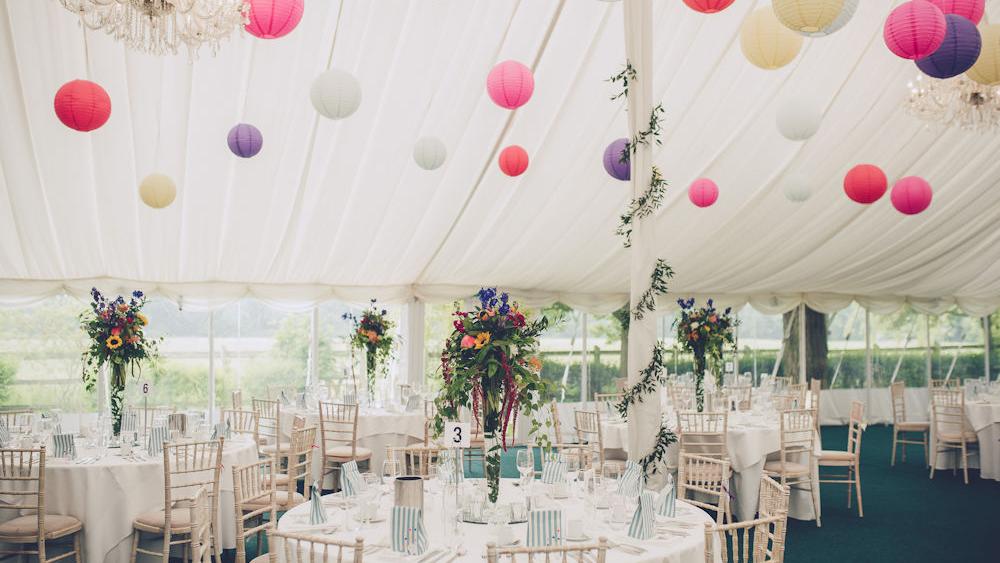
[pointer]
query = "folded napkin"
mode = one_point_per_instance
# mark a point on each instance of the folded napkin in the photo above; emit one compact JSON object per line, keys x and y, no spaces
{"x":554,"y":471}
{"x":642,"y":524}
{"x":667,"y":503}
{"x":64,"y":445}
{"x":317,"y":514}
{"x":157,"y":435}
{"x":407,"y":530}
{"x":350,"y":479}
{"x":130,"y":422}
{"x":630,"y":482}
{"x":177,"y":421}
{"x":544,"y":528}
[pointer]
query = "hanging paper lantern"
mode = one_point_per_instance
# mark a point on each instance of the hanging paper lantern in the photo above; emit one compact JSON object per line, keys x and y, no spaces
{"x":157,"y":191}
{"x":245,"y":140}
{"x":335,"y":94}
{"x":708,"y":6}
{"x":914,"y":30}
{"x":845,"y":15}
{"x":911,"y":195}
{"x":510,"y":84}
{"x":807,"y":16}
{"x":429,"y":153}
{"x":765,"y":42}
{"x":703,"y":192}
{"x":797,"y":119}
{"x":82,"y":105}
{"x":797,"y":188}
{"x":513,"y":160}
{"x":986,"y":71}
{"x":271,"y":19}
{"x":616,"y":160}
{"x":865,"y":183}
{"x":957,"y":53}
{"x":971,"y":10}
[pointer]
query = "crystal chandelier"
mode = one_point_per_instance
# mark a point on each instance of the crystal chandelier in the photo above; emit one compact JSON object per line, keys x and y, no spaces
{"x":955,"y":101}
{"x":162,"y":26}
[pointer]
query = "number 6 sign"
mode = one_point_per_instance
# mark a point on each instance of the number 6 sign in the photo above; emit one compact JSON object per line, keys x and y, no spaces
{"x":456,"y":434}
{"x":146,"y":387}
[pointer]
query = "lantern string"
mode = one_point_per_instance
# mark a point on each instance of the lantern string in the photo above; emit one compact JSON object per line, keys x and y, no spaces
{"x":336,"y":32}
{"x":86,"y":54}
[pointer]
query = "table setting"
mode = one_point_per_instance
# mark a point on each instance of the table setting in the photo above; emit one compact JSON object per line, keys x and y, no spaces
{"x":982,"y":411}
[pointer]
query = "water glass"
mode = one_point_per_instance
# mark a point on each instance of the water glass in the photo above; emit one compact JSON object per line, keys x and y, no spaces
{"x":391,"y":469}
{"x":525,"y":463}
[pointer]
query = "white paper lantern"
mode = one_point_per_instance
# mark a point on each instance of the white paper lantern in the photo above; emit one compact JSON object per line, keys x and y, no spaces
{"x":845,"y":15}
{"x":157,"y":191}
{"x":797,"y":188}
{"x":797,"y":119}
{"x":335,"y":94}
{"x":429,"y":153}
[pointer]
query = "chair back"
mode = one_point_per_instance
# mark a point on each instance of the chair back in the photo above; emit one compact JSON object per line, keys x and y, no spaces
{"x":781,"y":381}
{"x":244,"y":423}
{"x":338,"y":426}
{"x":681,"y":396}
{"x":556,"y":424}
{"x":146,"y":416}
{"x":743,"y":395}
{"x":703,"y":433}
{"x":291,"y":547}
{"x":178,"y":421}
{"x":797,"y":434}
{"x":190,"y":467}
{"x":430,"y":411}
{"x":948,"y":407}
{"x":253,"y":493}
{"x":898,"y":402}
{"x":854,"y":427}
{"x":268,"y":420}
{"x":945,"y":383}
{"x":238,"y":400}
{"x":15,"y":417}
{"x":550,"y":554}
{"x":22,"y":486}
{"x":773,"y":498}
{"x":416,"y":459}
{"x":300,"y":456}
{"x":812,"y":400}
{"x":706,"y":477}
{"x":588,"y":431}
{"x":607,"y":402}
{"x":758,"y":541}
{"x":201,"y":527}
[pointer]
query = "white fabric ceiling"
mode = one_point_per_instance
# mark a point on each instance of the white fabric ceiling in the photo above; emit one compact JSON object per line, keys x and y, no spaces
{"x":338,"y":209}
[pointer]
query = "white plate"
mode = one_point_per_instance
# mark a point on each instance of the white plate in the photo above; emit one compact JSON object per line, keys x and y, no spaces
{"x":584,"y":537}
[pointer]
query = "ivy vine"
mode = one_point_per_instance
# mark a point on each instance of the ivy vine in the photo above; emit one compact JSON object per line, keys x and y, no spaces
{"x":650,"y":377}
{"x":642,"y":206}
{"x":657,"y":286}
{"x":651,"y":460}
{"x":625,"y":76}
{"x":652,"y":131}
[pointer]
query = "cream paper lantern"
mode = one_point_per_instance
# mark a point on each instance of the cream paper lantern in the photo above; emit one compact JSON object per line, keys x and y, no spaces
{"x":157,"y":191}
{"x":765,"y":42}
{"x":807,"y":16}
{"x":845,"y":15}
{"x":797,"y":120}
{"x":429,"y":153}
{"x":335,"y":94}
{"x":797,"y":188}
{"x":986,"y":71}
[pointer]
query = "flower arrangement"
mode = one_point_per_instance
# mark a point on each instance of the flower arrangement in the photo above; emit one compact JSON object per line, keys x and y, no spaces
{"x":490,"y":365}
{"x":372,"y":335}
{"x":704,"y":332}
{"x":115,"y":328}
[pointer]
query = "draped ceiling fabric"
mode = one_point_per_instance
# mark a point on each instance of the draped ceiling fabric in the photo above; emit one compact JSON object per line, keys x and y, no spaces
{"x":339,"y":210}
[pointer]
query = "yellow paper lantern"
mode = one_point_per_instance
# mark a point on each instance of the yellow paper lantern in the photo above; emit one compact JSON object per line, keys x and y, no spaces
{"x":765,"y":42}
{"x":986,"y":71}
{"x":807,"y":16}
{"x":157,"y":191}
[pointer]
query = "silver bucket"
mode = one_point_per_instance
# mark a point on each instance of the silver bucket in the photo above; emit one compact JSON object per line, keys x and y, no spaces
{"x":410,"y":491}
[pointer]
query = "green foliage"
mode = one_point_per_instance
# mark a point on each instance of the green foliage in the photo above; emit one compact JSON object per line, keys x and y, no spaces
{"x":651,"y":377}
{"x":291,"y":342}
{"x":657,"y":286}
{"x":642,"y":206}
{"x":602,"y":378}
{"x":7,"y":371}
{"x":624,"y":77}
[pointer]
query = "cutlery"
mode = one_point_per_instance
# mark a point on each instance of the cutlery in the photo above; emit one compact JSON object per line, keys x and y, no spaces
{"x":458,"y":553}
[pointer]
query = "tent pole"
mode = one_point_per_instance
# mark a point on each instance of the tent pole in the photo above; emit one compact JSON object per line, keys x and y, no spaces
{"x":584,"y":366}
{"x":211,"y":366}
{"x":986,"y":346}
{"x":802,"y":343}
{"x":869,"y":375}
{"x":930,"y":354}
{"x":313,"y":368}
{"x":414,"y":342}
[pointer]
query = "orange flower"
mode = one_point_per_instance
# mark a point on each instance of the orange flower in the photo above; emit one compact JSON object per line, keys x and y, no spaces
{"x":535,"y":363}
{"x":482,"y":339}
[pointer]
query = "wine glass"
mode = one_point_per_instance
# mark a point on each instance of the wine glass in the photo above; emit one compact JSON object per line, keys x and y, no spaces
{"x":525,"y":463}
{"x":390,"y":470}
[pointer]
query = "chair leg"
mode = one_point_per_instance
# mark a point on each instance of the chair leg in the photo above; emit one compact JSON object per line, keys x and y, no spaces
{"x":857,"y":487}
{"x":78,"y":554}
{"x":965,"y":462}
{"x":135,"y":545}
{"x":895,"y":436}
{"x":814,"y":492}
{"x":934,"y":463}
{"x":849,"y":491}
{"x":927,"y":459}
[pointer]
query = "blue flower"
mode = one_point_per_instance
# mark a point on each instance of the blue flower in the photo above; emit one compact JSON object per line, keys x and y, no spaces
{"x":487,"y":296}
{"x":137,"y":294}
{"x":709,"y":303}
{"x":505,"y":308}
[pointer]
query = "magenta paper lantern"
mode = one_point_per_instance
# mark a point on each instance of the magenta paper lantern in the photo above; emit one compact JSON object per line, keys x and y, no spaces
{"x":708,"y":6}
{"x":957,"y":53}
{"x":271,"y":19}
{"x":82,"y":105}
{"x":865,"y":183}
{"x":914,"y":30}
{"x":513,"y":160}
{"x":971,"y":10}
{"x":616,"y":160}
{"x":510,"y":84}
{"x":245,"y":140}
{"x":703,"y":192}
{"x":911,"y":195}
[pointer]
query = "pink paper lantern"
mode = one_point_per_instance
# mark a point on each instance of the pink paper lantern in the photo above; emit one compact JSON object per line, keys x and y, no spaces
{"x":911,"y":195}
{"x":271,"y":19}
{"x":510,"y":84}
{"x":82,"y":105}
{"x":513,"y":160}
{"x":865,"y":183}
{"x":914,"y":30}
{"x":703,"y":192}
{"x":708,"y":6}
{"x":971,"y":10}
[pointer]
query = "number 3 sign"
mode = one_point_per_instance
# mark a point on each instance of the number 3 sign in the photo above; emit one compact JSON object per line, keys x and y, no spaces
{"x":456,"y":434}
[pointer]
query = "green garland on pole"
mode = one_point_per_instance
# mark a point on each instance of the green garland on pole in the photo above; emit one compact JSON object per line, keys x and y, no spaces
{"x":642,"y":206}
{"x":657,"y":286}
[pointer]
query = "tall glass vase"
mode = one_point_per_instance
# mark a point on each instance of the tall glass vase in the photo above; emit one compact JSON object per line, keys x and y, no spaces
{"x":699,"y":380}
{"x":370,"y":372}
{"x":116,"y":397}
{"x":491,"y":441}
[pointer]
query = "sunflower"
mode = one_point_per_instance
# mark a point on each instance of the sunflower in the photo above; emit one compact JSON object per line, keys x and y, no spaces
{"x":142,"y":319}
{"x":482,"y":339}
{"x":114,"y":341}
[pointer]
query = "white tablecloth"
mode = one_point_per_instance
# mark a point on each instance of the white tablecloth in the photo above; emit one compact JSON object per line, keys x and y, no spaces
{"x":984,"y":418}
{"x":686,"y":547}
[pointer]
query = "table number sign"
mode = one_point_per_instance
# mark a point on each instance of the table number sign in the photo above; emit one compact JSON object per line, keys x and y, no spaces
{"x":457,"y":434}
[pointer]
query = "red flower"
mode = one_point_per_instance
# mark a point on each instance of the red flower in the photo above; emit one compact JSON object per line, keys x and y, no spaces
{"x":116,"y":331}
{"x":459,"y":326}
{"x":517,"y":319}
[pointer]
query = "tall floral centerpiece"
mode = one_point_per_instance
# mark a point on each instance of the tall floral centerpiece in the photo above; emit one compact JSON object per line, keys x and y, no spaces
{"x":704,"y":332}
{"x":490,"y":365}
{"x":371,"y":335}
{"x":117,"y":340}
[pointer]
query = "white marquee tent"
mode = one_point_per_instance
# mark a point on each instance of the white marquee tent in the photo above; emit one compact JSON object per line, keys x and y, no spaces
{"x":338,"y":209}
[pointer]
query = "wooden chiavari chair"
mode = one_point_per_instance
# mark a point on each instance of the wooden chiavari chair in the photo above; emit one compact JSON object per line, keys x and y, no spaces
{"x":849,"y":459}
{"x":290,"y":547}
{"x":795,"y":465}
{"x":757,"y":541}
{"x":743,"y":395}
{"x":238,"y":400}
{"x":550,"y":554}
{"x":338,"y":427}
{"x":243,"y":423}
{"x":201,"y":528}
{"x":773,"y":498}
{"x":298,"y":467}
{"x":607,"y":402}
{"x":147,"y":416}
{"x":577,"y":451}
{"x":430,"y":411}
{"x":951,"y":427}
{"x":812,"y":399}
{"x":15,"y":417}
{"x":902,"y":427}
{"x":945,"y":383}
{"x":256,"y":512}
{"x":269,"y":426}
{"x":703,"y":433}
{"x":681,"y":396}
{"x":22,"y":485}
{"x":705,"y":477}
{"x":187,"y":468}
{"x":589,"y":433}
{"x":782,"y":380}
{"x":416,"y":459}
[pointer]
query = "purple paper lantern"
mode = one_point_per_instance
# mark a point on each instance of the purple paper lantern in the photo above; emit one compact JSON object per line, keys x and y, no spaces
{"x":957,"y":53}
{"x":616,"y":160}
{"x":245,"y":140}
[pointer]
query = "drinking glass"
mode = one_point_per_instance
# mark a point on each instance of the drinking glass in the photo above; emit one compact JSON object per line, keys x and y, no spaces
{"x":525,"y":463}
{"x":390,"y":470}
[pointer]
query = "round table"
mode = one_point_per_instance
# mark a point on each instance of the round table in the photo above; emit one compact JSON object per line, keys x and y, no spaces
{"x":983,"y":415}
{"x":109,"y":493}
{"x":684,"y":544}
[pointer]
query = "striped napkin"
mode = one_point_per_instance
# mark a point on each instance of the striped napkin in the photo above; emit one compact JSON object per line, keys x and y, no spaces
{"x":544,"y":528}
{"x":554,"y":471}
{"x":4,"y":432}
{"x":641,"y":527}
{"x":177,"y":421}
{"x":667,"y":503}
{"x":317,"y":514}
{"x":350,"y":479}
{"x":630,"y":482}
{"x":407,"y":532}
{"x":130,"y":422}
{"x":64,"y":445}
{"x":157,"y":435}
